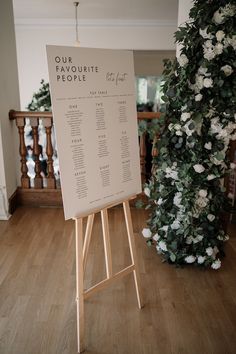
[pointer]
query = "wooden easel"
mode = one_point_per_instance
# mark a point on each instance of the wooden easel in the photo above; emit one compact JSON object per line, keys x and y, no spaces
{"x":81,"y":259}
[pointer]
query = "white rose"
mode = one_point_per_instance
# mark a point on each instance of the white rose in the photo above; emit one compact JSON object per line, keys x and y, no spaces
{"x":177,"y":199}
{"x":198,"y":97}
{"x":146,"y":233}
{"x":156,"y":237}
{"x":179,"y":133}
{"x":177,"y":126}
{"x":199,"y":168}
{"x":208,"y":146}
{"x":207,"y":82}
{"x":232,"y":165}
{"x":230,"y":41}
{"x":218,"y":17}
{"x":189,"y":240}
{"x":162,"y":246}
{"x":210,"y":177}
{"x":209,"y":251}
{"x":190,"y":259}
{"x":218,"y":49}
{"x":201,"y":259}
{"x":199,"y":82}
{"x":175,"y":225}
{"x":202,"y":193}
{"x":216,"y":264}
{"x":182,"y":60}
{"x":185,"y":116}
{"x":211,"y":217}
{"x":220,"y":35}
{"x":227,"y":69}
{"x":147,"y":191}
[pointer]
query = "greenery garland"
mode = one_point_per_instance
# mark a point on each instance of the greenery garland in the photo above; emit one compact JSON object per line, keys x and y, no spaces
{"x":185,"y":193}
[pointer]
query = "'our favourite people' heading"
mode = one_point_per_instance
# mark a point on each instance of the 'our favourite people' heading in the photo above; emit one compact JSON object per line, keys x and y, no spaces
{"x":66,"y":71}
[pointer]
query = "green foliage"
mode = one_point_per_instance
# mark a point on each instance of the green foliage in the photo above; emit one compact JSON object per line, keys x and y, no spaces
{"x":41,"y":100}
{"x":185,"y":193}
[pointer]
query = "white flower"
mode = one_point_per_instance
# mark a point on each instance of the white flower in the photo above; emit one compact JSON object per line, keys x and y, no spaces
{"x":227,"y":69}
{"x":218,"y":49}
{"x":207,"y":82}
{"x":189,"y":240}
{"x":208,"y":50}
{"x":147,"y":191}
{"x":211,"y":217}
{"x":216,"y":264}
{"x":190,"y":259}
{"x":189,"y":131}
{"x":177,"y":199}
{"x":199,"y":82}
{"x":182,"y":60}
{"x":177,"y":126}
{"x":201,"y":259}
{"x":208,"y":146}
{"x":218,"y":17}
{"x":156,"y":237}
{"x":170,"y":126}
{"x":201,"y":202}
{"x":229,"y":10}
{"x":179,"y":133}
{"x":209,"y":251}
{"x":199,"y":168}
{"x":160,"y":201}
{"x":202,"y":193}
{"x":146,"y":233}
{"x":185,"y":116}
{"x":205,"y":34}
{"x":210,"y":177}
{"x":232,"y":166}
{"x":198,"y":97}
{"x":228,"y":41}
{"x":175,"y":225}
{"x":162,"y":246}
{"x":164,"y":228}
{"x":199,"y":238}
{"x":203,"y":71}
{"x":220,"y":35}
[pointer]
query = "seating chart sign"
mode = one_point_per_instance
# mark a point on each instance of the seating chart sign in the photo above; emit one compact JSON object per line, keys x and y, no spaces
{"x":94,"y":112}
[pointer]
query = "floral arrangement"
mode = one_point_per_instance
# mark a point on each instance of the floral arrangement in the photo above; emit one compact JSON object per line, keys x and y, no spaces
{"x":185,"y":193}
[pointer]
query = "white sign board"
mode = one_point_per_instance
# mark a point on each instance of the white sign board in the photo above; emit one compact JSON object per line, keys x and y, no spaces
{"x":94,"y":111}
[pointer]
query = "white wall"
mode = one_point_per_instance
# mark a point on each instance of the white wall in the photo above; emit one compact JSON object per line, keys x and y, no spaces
{"x":9,"y":98}
{"x":33,"y":35}
{"x":183,"y":16}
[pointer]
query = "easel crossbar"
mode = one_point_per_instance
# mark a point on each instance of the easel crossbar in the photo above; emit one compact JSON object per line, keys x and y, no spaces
{"x":104,"y":283}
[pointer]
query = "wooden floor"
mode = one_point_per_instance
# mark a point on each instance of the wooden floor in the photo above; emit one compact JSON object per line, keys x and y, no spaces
{"x":187,"y":311}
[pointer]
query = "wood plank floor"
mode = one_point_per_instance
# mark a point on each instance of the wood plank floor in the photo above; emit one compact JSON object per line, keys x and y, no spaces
{"x":187,"y":311}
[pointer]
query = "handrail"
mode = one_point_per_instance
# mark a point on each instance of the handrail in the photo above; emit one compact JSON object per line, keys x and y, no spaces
{"x":33,"y":114}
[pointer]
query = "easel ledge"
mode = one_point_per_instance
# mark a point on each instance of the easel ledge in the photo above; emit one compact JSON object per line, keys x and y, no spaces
{"x":82,"y":255}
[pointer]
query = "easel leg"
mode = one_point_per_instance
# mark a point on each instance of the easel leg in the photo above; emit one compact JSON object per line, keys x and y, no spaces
{"x":79,"y":283}
{"x":87,"y":238}
{"x":106,"y":241}
{"x":133,"y":254}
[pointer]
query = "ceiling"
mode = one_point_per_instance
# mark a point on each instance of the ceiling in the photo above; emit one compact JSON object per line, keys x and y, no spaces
{"x":158,"y":10}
